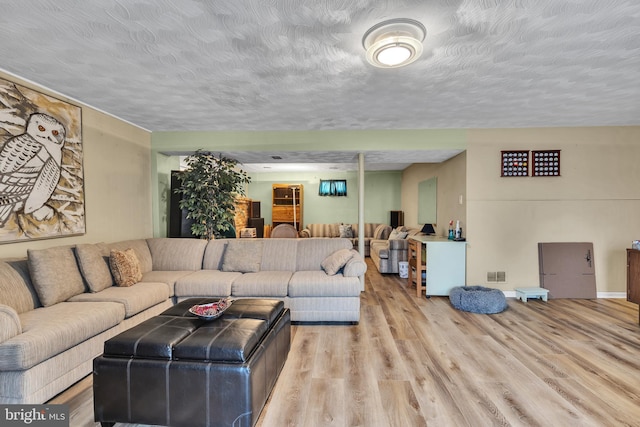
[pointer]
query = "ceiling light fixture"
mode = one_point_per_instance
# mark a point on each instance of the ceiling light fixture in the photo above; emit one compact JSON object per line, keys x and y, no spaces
{"x":394,"y":43}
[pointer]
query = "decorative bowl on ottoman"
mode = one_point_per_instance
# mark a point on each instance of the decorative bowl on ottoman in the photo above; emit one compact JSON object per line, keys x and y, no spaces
{"x":478,"y":299}
{"x":211,"y":310}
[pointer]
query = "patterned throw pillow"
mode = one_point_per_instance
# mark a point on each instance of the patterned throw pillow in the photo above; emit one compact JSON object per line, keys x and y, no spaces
{"x":346,"y":231}
{"x":125,"y":267}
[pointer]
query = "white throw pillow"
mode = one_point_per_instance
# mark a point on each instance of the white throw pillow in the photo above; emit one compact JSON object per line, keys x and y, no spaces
{"x":395,"y":234}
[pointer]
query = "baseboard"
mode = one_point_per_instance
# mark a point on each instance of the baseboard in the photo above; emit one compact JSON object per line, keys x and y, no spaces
{"x":512,"y":294}
{"x":612,"y":295}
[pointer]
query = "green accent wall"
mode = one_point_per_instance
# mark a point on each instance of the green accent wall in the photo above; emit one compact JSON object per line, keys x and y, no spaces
{"x":382,"y":194}
{"x":382,"y":189}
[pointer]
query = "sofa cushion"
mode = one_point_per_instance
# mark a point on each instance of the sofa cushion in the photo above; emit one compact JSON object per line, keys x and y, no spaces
{"x":93,"y":267}
{"x":134,"y":299}
{"x":262,"y":284}
{"x":311,"y":252}
{"x":279,"y":255}
{"x":55,"y":274}
{"x":10,"y":323}
{"x":214,"y":254}
{"x":14,"y":291}
{"x":125,"y":267}
{"x":168,"y":277}
{"x":140,"y":247}
{"x":324,"y":230}
{"x":369,"y":229}
{"x":51,"y":330}
{"x":204,"y":283}
{"x":319,"y":284}
{"x":176,"y":254}
{"x":336,"y":260}
{"x":243,"y":256}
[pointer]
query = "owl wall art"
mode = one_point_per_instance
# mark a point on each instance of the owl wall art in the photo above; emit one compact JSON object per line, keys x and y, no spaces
{"x":41,"y":171}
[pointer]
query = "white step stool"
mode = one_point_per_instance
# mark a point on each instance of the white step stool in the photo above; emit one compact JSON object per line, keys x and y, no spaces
{"x":525,"y":293}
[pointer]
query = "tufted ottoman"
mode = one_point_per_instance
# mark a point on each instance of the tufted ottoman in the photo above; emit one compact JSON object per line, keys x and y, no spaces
{"x":177,"y":370}
{"x":478,"y":299}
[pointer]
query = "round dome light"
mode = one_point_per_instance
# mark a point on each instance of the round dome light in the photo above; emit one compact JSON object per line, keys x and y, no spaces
{"x":394,"y":54}
{"x":394,"y":43}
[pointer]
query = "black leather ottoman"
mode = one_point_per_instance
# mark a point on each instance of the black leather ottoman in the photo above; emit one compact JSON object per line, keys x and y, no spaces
{"x":177,"y":370}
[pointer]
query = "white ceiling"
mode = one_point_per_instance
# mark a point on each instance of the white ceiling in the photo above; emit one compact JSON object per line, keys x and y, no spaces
{"x":184,"y":65}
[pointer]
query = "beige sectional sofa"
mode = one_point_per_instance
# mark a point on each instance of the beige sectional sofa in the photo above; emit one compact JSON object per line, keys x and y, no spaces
{"x":372,"y":231}
{"x":58,"y":306}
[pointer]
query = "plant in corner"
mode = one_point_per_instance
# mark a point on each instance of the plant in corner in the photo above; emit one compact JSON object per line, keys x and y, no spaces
{"x":209,"y":187}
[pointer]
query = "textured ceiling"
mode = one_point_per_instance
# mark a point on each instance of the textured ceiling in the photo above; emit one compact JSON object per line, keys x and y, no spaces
{"x":299,"y":64}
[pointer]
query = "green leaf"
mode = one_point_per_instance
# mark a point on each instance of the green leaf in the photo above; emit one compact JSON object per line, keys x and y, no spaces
{"x":209,"y":188}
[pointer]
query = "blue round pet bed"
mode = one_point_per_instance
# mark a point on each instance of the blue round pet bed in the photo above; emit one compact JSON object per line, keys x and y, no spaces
{"x":478,"y":299}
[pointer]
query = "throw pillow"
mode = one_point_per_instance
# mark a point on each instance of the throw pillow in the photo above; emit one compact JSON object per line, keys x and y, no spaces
{"x":242,"y":256}
{"x":55,"y":274}
{"x":395,"y":234}
{"x":335,"y":261}
{"x":125,"y":267}
{"x":346,"y":231}
{"x":94,"y":267}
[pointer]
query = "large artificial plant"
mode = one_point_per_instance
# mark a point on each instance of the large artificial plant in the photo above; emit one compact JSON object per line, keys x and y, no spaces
{"x":209,"y":187}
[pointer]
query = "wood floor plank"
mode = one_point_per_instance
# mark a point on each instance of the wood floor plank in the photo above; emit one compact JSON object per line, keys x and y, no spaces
{"x":382,"y":353}
{"x":400,"y":403}
{"x":329,"y":403}
{"x":291,"y":394}
{"x":329,"y":358}
{"x":415,"y":361}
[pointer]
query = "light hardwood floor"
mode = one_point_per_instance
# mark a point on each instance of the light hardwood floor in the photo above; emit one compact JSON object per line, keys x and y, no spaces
{"x":417,"y":361}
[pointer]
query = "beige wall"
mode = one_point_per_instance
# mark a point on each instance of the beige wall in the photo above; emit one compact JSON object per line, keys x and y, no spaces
{"x":451,"y":178}
{"x":597,"y":199}
{"x":117,"y":175}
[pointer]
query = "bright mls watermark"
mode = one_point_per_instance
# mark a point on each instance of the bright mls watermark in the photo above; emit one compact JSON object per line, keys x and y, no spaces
{"x":34,"y":415}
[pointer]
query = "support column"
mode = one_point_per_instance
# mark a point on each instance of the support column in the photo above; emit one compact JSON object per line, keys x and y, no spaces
{"x":361,"y":210}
